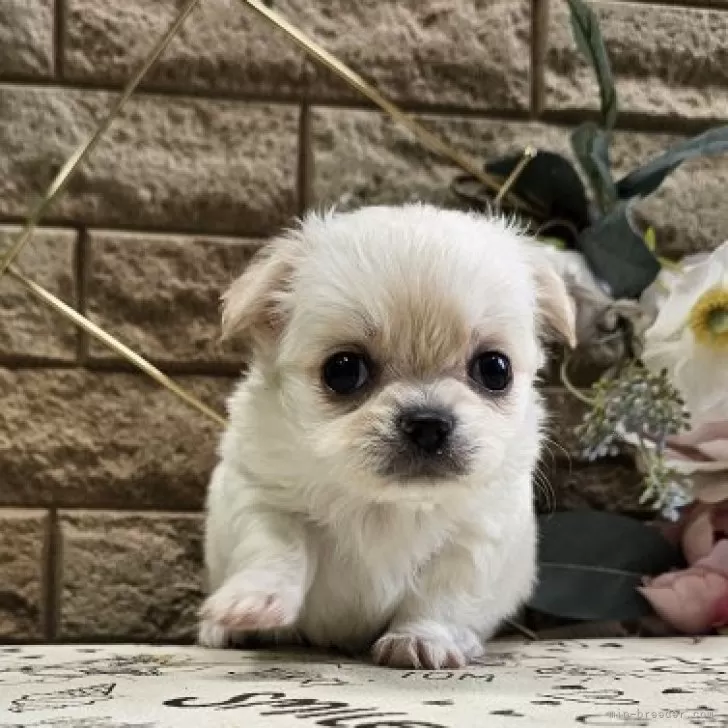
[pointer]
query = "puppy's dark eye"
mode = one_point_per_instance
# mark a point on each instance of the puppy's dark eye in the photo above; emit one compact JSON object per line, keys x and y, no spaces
{"x":345,"y":372}
{"x":491,"y":370}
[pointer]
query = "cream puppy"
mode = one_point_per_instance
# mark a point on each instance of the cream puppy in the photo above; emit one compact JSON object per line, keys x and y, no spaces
{"x":374,"y":489}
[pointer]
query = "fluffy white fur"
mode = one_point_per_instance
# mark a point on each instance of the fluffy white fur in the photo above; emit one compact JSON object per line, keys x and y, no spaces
{"x":304,"y":537}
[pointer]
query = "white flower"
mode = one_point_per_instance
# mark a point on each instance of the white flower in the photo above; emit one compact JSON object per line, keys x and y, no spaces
{"x":689,"y":337}
{"x":658,"y":292}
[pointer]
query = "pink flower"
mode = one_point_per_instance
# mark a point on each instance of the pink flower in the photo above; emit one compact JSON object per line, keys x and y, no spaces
{"x":702,"y":453}
{"x":703,"y":528}
{"x":720,"y":613}
{"x":696,"y":599}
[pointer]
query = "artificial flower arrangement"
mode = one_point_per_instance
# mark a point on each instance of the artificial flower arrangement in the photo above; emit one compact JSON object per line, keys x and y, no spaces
{"x":669,"y":406}
{"x":663,"y":327}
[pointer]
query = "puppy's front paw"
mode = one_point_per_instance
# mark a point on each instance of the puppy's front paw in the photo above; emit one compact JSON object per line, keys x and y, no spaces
{"x":213,"y":635}
{"x":400,"y":649}
{"x":238,"y":609}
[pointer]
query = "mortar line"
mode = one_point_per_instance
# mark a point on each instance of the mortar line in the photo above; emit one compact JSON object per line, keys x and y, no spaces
{"x":51,"y":579}
{"x":539,"y":42}
{"x":212,"y":370}
{"x":682,"y":4}
{"x":305,"y":169}
{"x":59,"y":39}
{"x":81,"y":273}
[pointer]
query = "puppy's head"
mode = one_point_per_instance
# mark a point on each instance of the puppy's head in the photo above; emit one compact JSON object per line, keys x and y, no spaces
{"x":401,"y":344}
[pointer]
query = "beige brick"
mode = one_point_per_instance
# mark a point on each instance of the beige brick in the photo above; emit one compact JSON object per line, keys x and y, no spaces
{"x":83,"y":439}
{"x":29,"y":327}
{"x":167,"y":162}
{"x":161,"y":294}
{"x":131,"y":576}
{"x":223,"y":46}
{"x":362,"y":157}
{"x":468,"y":54}
{"x":26,"y":38}
{"x":23,"y":544}
{"x":668,"y":61}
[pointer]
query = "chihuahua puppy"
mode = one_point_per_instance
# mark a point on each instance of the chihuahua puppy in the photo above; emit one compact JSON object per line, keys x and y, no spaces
{"x":374,"y":489}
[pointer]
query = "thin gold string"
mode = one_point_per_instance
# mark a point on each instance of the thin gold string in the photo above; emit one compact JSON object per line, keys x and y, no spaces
{"x":61,"y":180}
{"x":112,"y":343}
{"x":528,"y":154}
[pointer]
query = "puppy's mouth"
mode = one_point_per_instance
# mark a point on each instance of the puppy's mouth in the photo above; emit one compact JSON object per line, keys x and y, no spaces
{"x":404,"y":465}
{"x":424,"y":445}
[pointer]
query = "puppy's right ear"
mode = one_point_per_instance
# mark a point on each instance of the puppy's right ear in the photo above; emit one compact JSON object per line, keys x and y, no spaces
{"x":254,"y":306}
{"x":556,"y":309}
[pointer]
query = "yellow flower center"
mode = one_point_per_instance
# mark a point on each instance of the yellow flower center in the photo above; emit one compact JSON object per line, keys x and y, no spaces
{"x":708,"y":318}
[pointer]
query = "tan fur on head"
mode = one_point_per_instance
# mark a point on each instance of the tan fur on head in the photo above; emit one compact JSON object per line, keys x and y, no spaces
{"x":555,"y":306}
{"x":254,"y":305}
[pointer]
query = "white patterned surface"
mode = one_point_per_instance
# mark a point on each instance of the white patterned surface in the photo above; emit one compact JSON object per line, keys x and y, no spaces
{"x":650,"y":682}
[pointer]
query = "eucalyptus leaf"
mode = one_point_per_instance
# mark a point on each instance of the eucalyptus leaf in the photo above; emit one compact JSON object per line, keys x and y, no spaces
{"x":645,"y":180}
{"x":549,"y":182}
{"x":591,"y":562}
{"x":591,"y":147}
{"x":589,"y":40}
{"x":618,"y":254}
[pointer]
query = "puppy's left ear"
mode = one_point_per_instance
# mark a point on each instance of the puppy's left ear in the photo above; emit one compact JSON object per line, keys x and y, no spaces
{"x":555,"y":307}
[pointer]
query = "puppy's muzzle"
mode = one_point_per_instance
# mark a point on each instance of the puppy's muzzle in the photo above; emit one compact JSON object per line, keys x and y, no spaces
{"x":426,"y":430}
{"x":423,"y":443}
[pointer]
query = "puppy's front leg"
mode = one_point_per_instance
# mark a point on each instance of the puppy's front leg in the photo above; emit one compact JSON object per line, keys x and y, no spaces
{"x":458,"y":602}
{"x":264,"y":579}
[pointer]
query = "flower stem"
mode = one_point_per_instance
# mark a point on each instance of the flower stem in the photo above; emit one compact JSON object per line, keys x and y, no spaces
{"x":573,"y":390}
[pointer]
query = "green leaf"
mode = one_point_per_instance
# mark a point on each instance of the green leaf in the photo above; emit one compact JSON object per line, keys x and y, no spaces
{"x":617,"y":254}
{"x":591,"y":147}
{"x":550,"y":182}
{"x":589,"y":40}
{"x":647,"y":179}
{"x":557,"y":243}
{"x":650,"y":237}
{"x":590,"y":563}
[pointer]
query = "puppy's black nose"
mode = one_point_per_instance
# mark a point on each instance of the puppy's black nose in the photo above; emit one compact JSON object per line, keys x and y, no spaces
{"x":427,"y":429}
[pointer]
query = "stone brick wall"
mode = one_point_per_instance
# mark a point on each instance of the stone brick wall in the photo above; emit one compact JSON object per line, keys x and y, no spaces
{"x":102,"y":473}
